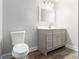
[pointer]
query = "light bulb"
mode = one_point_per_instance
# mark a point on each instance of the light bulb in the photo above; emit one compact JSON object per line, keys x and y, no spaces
{"x":52,"y":5}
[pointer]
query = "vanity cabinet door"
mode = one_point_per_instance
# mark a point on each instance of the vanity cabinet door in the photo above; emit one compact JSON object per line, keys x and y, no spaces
{"x":62,"y":37}
{"x":58,"y":38}
{"x":49,"y":40}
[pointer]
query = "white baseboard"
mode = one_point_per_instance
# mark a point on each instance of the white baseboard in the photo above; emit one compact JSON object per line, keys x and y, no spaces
{"x":8,"y":55}
{"x":33,"y":49}
{"x":72,"y":47}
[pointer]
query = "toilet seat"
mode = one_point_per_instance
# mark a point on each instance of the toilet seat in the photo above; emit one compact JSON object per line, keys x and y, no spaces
{"x":20,"y":50}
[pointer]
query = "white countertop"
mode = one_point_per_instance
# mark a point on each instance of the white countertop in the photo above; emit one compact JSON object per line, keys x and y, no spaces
{"x":47,"y":28}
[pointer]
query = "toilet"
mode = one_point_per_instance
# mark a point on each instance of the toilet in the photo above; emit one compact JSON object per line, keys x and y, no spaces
{"x":20,"y":49}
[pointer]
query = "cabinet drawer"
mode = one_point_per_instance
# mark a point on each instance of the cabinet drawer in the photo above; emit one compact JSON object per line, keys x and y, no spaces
{"x":49,"y":40}
{"x":49,"y":45}
{"x":49,"y":35}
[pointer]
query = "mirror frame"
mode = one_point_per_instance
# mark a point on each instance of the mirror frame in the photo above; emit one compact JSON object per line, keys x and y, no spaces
{"x":43,"y":23}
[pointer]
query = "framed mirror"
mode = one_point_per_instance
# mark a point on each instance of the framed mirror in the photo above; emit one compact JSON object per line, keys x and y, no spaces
{"x":47,"y":16}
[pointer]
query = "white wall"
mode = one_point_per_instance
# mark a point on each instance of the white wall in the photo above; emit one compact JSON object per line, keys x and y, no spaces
{"x":67,"y":16}
{"x":0,"y":27}
{"x":20,"y":15}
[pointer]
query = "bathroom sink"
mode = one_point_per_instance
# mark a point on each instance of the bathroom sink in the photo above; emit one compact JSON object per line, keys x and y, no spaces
{"x":47,"y":28}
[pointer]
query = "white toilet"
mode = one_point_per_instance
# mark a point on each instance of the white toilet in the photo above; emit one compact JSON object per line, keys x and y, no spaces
{"x":20,"y":49}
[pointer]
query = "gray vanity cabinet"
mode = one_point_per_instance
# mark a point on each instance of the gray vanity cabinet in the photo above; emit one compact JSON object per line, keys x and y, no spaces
{"x":49,"y":40}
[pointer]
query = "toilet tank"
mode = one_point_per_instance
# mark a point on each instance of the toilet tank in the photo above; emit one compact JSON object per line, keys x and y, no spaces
{"x":18,"y":37}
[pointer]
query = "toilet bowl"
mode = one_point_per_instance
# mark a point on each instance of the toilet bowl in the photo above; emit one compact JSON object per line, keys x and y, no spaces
{"x":20,"y":49}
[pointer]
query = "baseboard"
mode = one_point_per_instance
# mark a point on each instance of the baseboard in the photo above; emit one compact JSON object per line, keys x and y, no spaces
{"x":72,"y":47}
{"x":8,"y":55}
{"x":33,"y":49}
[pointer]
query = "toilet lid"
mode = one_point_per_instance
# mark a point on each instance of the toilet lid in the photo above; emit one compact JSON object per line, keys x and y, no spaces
{"x":21,"y":48}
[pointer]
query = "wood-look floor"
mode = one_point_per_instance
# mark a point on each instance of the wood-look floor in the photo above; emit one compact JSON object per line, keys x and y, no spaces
{"x":62,"y":53}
